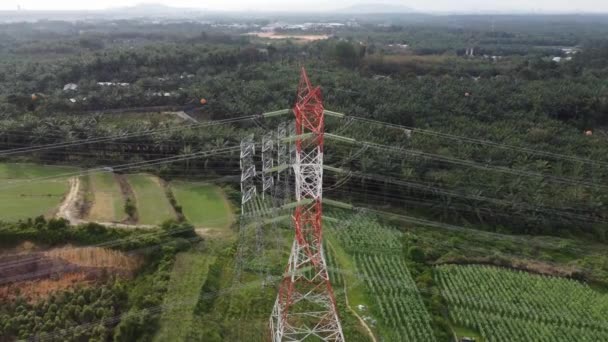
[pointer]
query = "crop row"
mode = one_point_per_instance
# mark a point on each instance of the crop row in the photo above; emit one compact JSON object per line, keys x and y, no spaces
{"x":336,"y":276}
{"x":396,"y":296}
{"x":356,"y":233}
{"x":498,"y":328}
{"x":502,"y":303}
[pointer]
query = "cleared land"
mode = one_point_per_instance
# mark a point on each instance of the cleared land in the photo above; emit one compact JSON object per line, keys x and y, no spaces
{"x":153,"y":207}
{"x":204,"y":205}
{"x":506,"y":305}
{"x":188,"y":275}
{"x":34,"y":275}
{"x":20,"y":199}
{"x":108,"y":200}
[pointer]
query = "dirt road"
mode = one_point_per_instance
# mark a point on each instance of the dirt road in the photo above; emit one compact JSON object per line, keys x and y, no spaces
{"x":67,"y":209}
{"x":182,"y":115}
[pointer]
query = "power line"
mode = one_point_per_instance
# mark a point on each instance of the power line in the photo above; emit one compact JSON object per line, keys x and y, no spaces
{"x":481,"y":142}
{"x":128,"y":166}
{"x":468,"y":163}
{"x":432,"y":189}
{"x":122,"y":136}
{"x":476,"y":232}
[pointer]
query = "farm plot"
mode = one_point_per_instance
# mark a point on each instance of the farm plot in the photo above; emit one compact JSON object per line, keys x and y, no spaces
{"x":153,"y":207}
{"x":397,"y":305}
{"x":396,"y":296}
{"x":22,"y":199}
{"x":204,"y":205}
{"x":366,"y":234}
{"x":188,"y":275}
{"x":506,"y":305}
{"x":108,"y":200}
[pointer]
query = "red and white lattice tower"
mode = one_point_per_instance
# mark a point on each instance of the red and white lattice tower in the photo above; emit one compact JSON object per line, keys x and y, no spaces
{"x":305,"y":309}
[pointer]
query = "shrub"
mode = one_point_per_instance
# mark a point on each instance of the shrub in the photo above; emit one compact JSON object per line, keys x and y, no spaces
{"x":416,"y":254}
{"x":130,"y":208}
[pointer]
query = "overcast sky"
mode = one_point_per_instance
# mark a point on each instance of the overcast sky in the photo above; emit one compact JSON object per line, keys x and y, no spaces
{"x":421,"y":5}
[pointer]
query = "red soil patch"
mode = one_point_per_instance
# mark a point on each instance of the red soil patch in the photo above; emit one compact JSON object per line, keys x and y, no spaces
{"x":36,"y":274}
{"x":34,"y":290}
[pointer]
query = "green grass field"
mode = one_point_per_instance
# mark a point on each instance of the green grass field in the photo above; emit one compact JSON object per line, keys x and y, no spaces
{"x":108,"y":200}
{"x":153,"y":207}
{"x":20,"y":199}
{"x":188,"y":275}
{"x":204,"y":205}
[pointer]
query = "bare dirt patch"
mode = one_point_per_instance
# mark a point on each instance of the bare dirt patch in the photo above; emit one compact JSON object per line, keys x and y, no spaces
{"x":69,"y":208}
{"x":36,"y":274}
{"x":35,"y":290}
{"x":95,"y":257}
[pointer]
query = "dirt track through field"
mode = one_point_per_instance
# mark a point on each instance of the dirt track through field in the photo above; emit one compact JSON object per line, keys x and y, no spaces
{"x":67,"y":209}
{"x":361,"y":320}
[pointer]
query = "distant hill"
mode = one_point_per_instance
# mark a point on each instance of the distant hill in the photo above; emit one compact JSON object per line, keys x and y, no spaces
{"x":153,"y":9}
{"x":377,"y":7}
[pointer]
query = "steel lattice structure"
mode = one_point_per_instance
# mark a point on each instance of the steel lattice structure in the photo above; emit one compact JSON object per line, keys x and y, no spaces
{"x":248,"y":192}
{"x":267,"y":163}
{"x":248,"y":188}
{"x":305,"y":307}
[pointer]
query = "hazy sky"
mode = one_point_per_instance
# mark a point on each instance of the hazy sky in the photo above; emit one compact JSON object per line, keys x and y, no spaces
{"x":422,"y":5}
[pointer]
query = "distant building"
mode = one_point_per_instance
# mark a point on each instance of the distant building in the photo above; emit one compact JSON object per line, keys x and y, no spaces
{"x":110,"y":84}
{"x":571,"y":51}
{"x":70,"y":87}
{"x":161,"y":94}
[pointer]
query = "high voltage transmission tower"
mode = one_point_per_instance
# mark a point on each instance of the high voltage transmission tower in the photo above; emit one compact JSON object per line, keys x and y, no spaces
{"x":305,"y":306}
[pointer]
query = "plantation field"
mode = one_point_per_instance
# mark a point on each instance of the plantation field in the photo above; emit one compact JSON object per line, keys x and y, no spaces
{"x":393,"y":306}
{"x":204,"y":205}
{"x":188,"y":275}
{"x":20,"y":199}
{"x":506,"y":305}
{"x":153,"y":207}
{"x":108,"y":200}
